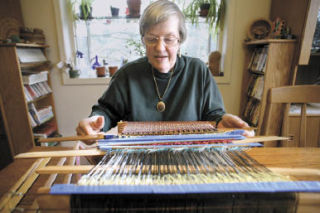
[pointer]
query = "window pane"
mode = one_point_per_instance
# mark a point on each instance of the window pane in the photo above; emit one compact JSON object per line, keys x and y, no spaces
{"x":116,"y":40}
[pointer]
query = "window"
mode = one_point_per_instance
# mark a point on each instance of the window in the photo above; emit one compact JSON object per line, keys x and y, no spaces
{"x":116,"y":40}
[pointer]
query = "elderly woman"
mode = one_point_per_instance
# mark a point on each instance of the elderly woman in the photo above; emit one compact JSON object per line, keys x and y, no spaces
{"x":164,"y":85}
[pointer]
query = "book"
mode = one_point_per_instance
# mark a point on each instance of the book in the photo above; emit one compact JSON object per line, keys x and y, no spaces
{"x":41,"y":115}
{"x":259,"y":87}
{"x":30,"y":55}
{"x":258,"y":59}
{"x":27,"y":95}
{"x":32,"y":121}
{"x":31,"y":91}
{"x":256,"y":88}
{"x":34,"y":113}
{"x":45,"y":114}
{"x":262,"y":59}
{"x":46,"y":130}
{"x":33,"y":78}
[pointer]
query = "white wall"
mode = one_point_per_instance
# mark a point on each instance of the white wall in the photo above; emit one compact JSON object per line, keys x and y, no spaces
{"x":73,"y":102}
{"x":246,"y":12}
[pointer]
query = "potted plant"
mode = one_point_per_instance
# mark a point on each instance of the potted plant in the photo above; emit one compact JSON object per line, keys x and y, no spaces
{"x":86,"y":9}
{"x":137,"y":46}
{"x":210,"y":9}
{"x":114,"y":11}
{"x":134,"y":8}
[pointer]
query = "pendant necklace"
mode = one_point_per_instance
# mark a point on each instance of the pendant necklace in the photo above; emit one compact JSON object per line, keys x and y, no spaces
{"x":161,"y":106}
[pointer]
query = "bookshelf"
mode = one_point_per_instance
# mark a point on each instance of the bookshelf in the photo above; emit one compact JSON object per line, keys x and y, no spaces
{"x":268,"y":64}
{"x":27,"y":101}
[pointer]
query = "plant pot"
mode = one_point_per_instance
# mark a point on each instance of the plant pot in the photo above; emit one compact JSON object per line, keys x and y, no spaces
{"x":84,"y":13}
{"x":114,"y":11}
{"x":134,"y":8}
{"x":74,"y":73}
{"x":204,"y":9}
{"x":101,"y":71}
{"x":112,"y":70}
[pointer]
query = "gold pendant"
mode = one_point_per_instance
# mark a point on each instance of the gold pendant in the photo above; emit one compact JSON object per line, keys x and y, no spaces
{"x":161,"y":106}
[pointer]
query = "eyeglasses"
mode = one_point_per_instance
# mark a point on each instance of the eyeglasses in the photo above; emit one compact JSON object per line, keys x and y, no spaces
{"x":169,"y":41}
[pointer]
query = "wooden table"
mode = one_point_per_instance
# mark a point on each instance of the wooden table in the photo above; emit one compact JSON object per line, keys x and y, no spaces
{"x":299,"y":163}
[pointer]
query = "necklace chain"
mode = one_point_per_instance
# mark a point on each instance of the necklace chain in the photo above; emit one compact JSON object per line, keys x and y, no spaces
{"x":155,"y":83}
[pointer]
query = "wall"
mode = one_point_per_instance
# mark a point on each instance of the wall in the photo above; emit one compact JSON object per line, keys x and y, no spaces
{"x":74,"y":102}
{"x":246,"y":12}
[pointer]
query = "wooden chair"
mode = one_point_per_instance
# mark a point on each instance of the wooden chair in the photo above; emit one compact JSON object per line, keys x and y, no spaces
{"x":301,"y":94}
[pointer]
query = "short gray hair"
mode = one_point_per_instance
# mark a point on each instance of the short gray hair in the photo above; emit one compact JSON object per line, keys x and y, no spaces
{"x":158,"y":12}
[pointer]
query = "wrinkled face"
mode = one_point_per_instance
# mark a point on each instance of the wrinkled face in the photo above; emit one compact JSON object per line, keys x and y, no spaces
{"x":162,"y":44}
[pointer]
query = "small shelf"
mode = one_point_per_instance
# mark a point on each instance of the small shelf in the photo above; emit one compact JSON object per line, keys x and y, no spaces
{"x":33,"y":65}
{"x":268,"y":41}
{"x":110,"y":17}
{"x":24,"y":45}
{"x":39,"y":98}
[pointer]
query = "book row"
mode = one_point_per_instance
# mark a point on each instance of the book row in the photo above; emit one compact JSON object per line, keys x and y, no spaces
{"x":258,"y":59}
{"x":252,"y":111}
{"x":46,"y":130}
{"x":30,"y":77}
{"x":39,"y":116}
{"x":255,"y":88}
{"x":37,"y":90}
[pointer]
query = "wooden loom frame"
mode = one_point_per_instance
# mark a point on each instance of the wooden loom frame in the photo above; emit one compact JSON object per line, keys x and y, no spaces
{"x":10,"y":201}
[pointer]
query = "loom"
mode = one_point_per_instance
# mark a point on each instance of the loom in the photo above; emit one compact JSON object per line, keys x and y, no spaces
{"x":181,"y":167}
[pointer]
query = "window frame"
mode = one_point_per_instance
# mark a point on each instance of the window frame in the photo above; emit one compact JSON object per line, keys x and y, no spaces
{"x":67,"y":45}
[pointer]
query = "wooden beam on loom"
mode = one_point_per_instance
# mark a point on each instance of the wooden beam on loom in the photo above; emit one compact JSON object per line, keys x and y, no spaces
{"x":167,"y":169}
{"x":9,"y":201}
{"x":260,"y":139}
{"x":82,"y":169}
{"x":96,"y":152}
{"x":45,"y":189}
{"x":72,"y":138}
{"x":59,"y":154}
{"x":102,"y":136}
{"x":52,"y":177}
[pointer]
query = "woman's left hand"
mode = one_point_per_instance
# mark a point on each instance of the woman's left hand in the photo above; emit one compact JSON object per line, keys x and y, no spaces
{"x":233,"y":121}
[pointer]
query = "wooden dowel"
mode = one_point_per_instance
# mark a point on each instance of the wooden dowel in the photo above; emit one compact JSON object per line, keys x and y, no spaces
{"x":72,"y":138}
{"x":65,"y":169}
{"x":52,"y":177}
{"x":69,"y":153}
{"x":260,"y":139}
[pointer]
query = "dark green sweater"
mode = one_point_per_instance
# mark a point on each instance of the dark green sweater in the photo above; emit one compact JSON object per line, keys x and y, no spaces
{"x":131,"y":96}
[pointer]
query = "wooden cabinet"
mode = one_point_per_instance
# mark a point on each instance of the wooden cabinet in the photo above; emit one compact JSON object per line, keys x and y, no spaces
{"x":14,"y":104}
{"x":312,"y":125}
{"x":301,"y":17}
{"x":275,"y":72}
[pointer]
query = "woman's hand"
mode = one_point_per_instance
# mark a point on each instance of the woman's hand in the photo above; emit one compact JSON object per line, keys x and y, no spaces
{"x":233,"y":121}
{"x":90,"y":126}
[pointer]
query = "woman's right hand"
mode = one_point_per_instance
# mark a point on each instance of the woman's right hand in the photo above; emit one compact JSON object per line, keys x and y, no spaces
{"x":90,"y":126}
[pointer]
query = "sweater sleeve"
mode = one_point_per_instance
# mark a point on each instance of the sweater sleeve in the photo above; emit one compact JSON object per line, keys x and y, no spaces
{"x":112,"y":104}
{"x":213,"y":109}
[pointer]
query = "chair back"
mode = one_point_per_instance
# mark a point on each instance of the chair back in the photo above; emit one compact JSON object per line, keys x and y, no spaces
{"x":299,"y":94}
